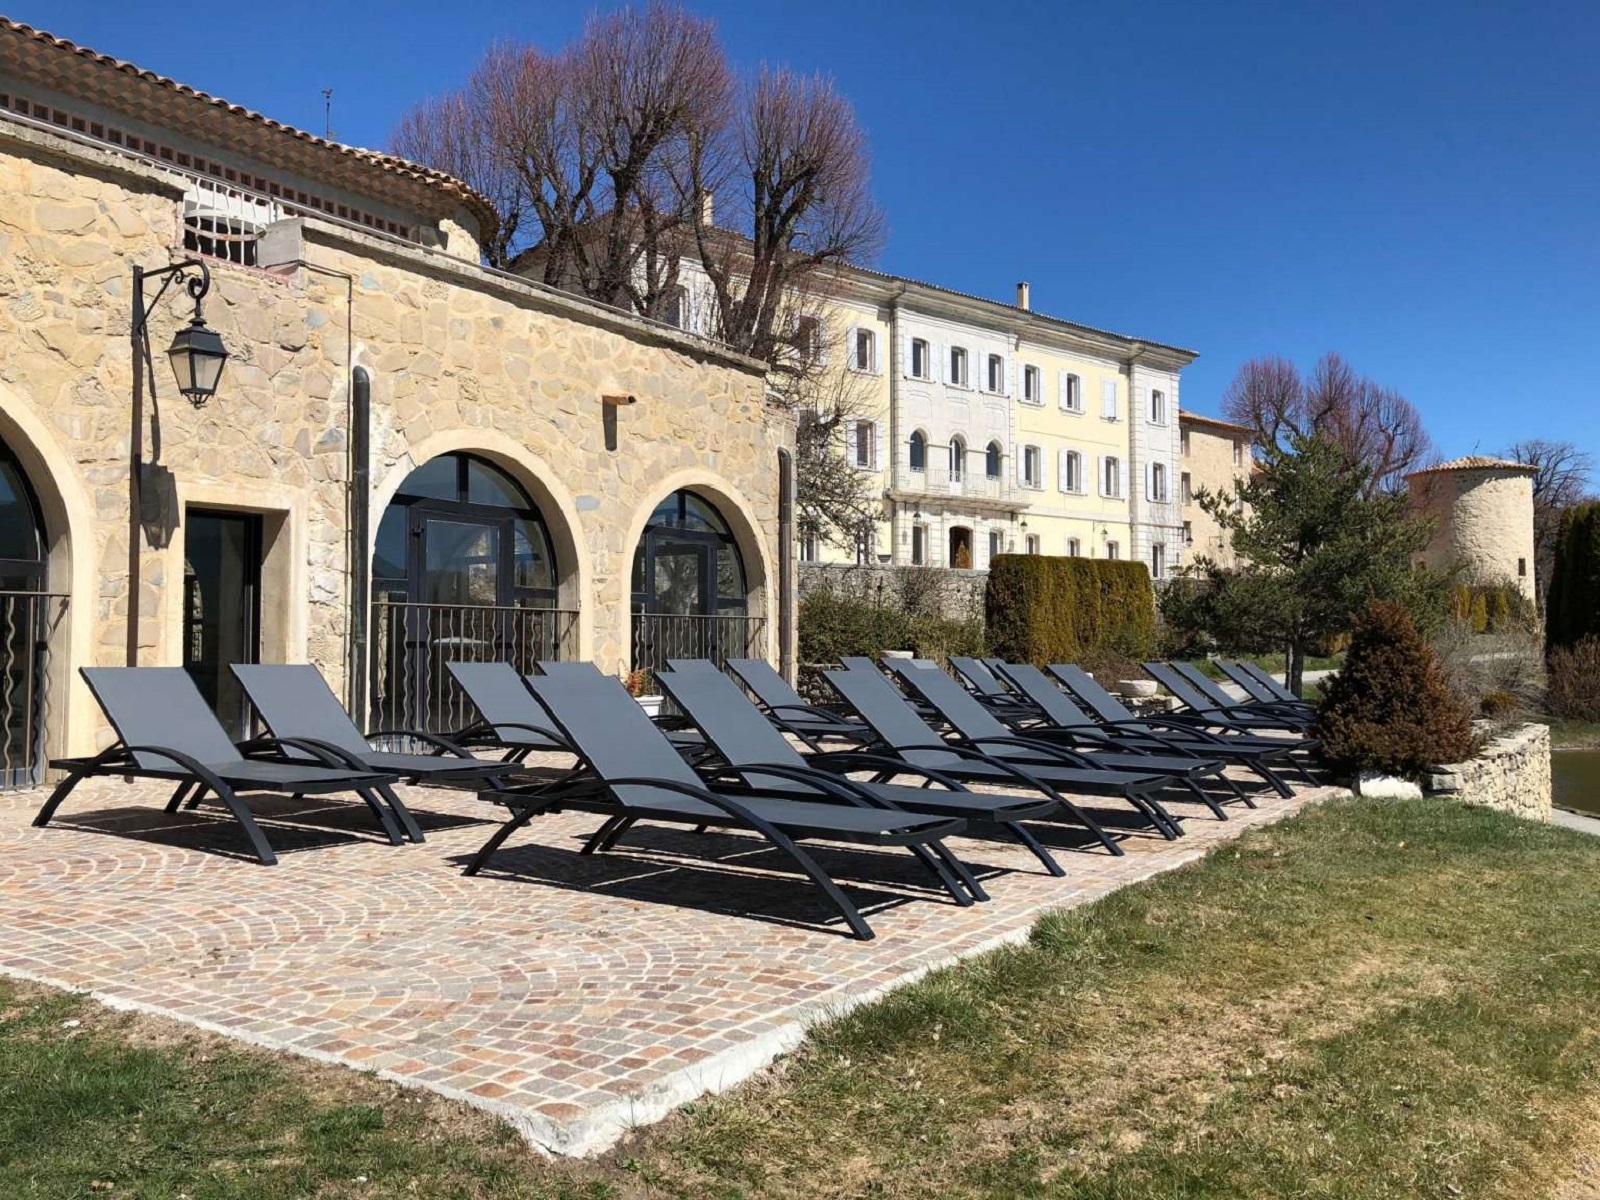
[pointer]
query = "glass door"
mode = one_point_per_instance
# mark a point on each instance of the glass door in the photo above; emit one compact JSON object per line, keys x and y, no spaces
{"x":221,"y":608}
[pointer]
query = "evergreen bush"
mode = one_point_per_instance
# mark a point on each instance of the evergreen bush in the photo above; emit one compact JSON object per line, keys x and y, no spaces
{"x":1042,"y":609}
{"x":1390,"y":707}
{"x":1573,"y":611}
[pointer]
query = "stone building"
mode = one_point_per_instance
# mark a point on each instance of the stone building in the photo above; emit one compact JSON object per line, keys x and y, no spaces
{"x":409,"y":458}
{"x":1482,"y":510}
{"x":1213,"y":456}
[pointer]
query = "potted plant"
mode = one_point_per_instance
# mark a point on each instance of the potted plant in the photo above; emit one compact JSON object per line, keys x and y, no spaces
{"x":641,"y":686}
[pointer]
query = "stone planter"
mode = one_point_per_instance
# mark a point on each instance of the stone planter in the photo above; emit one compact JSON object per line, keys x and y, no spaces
{"x":1512,"y":773}
{"x":650,"y":704}
{"x":1137,"y":689}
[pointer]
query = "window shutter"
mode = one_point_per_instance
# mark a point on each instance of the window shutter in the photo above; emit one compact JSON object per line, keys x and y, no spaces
{"x":1100,"y":474}
{"x":1061,"y":389}
{"x":877,"y":445}
{"x":1022,"y":466}
{"x":905,"y":354}
{"x":1108,"y":399}
{"x":850,"y":346}
{"x":1149,"y":482}
{"x":1061,"y":471}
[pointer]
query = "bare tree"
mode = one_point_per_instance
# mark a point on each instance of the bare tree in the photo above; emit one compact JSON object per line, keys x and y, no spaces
{"x":799,"y":178}
{"x":602,"y":159}
{"x":456,"y":133}
{"x":1374,"y":425}
{"x":835,"y":501}
{"x":1561,"y":479}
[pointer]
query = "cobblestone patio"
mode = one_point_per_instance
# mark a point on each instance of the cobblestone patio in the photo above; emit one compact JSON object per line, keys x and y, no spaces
{"x":574,"y":996}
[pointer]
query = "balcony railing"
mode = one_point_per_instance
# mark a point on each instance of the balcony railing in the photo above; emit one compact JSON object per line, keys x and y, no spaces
{"x":412,"y":645}
{"x":717,"y":636}
{"x":939,"y":480}
{"x":26,"y":622}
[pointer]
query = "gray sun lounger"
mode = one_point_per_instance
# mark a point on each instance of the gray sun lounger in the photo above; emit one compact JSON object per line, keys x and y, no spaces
{"x":1214,"y":691}
{"x":1058,"y":711}
{"x":165,"y":730}
{"x":1228,"y":715}
{"x":635,"y":774}
{"x":788,"y":709}
{"x":512,"y":717}
{"x":1260,"y":686}
{"x":296,"y":704}
{"x":741,"y":733}
{"x":901,"y":732}
{"x":981,"y":729}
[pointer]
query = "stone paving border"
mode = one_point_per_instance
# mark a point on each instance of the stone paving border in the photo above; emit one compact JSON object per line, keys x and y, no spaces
{"x":573,"y":1012}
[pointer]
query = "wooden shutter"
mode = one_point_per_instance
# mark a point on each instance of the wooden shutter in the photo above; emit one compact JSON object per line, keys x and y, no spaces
{"x":1108,"y":399}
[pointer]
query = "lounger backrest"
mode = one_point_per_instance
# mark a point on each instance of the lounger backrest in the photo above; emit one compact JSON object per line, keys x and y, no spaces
{"x":1178,"y":686}
{"x":954,"y":703}
{"x":160,"y":706}
{"x":1203,"y":683}
{"x":1277,"y":690}
{"x":1253,"y":689}
{"x":685,"y":666}
{"x":859,"y":662}
{"x":1086,"y":688}
{"x":1051,"y":700}
{"x":737,"y":728}
{"x":885,"y":710}
{"x":978,"y":676}
{"x":504,"y":701}
{"x":295,"y":701}
{"x":550,"y":666}
{"x":611,"y":731}
{"x":765,"y":683}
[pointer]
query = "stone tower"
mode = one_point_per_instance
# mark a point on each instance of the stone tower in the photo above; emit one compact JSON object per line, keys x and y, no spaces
{"x":1483,"y":514}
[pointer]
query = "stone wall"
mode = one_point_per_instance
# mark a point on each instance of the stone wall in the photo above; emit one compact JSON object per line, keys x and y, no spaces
{"x":460,"y":361}
{"x":955,"y":594}
{"x":1512,"y":774}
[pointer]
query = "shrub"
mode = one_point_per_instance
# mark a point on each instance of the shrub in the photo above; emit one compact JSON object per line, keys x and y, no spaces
{"x":1573,"y":611}
{"x":1574,"y":689}
{"x":1041,"y":609}
{"x":1497,"y":706}
{"x":1480,"y":613}
{"x":833,"y":625}
{"x":1390,"y":708}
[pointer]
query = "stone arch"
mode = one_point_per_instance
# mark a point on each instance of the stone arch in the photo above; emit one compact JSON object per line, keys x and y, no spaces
{"x":556,"y":505}
{"x":760,"y":571}
{"x":68,"y":516}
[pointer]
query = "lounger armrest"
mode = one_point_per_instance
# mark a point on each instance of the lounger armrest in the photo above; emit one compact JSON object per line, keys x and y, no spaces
{"x":441,"y":745}
{"x":1004,"y":766}
{"x":1070,"y":757}
{"x":723,"y":803}
{"x":852,"y":759}
{"x":829,"y":785}
{"x":553,"y":734}
{"x":194,"y":766}
{"x":326,"y":753}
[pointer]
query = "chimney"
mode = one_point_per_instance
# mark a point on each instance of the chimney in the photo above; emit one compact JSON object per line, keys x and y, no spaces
{"x":1022,"y":295}
{"x":707,"y":208}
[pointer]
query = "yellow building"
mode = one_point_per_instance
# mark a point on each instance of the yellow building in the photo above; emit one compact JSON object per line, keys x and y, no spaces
{"x":1214,"y":455}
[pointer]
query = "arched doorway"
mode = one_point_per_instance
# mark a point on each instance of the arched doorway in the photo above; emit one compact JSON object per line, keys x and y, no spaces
{"x":690,"y":590}
{"x":462,"y":571}
{"x":26,"y":613}
{"x":960,"y":548}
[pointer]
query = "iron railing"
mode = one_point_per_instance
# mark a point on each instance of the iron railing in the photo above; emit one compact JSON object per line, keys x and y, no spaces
{"x":27,"y":621}
{"x":412,"y":645}
{"x":717,"y":636}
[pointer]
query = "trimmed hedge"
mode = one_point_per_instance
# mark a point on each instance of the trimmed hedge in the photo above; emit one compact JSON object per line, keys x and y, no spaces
{"x":834,"y":625}
{"x":1573,"y":611}
{"x":1044,"y":610}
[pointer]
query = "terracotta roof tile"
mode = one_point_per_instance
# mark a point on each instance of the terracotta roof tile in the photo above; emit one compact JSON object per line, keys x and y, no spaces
{"x":1477,"y":462}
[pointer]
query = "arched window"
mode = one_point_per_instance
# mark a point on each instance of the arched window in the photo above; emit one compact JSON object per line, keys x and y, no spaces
{"x":24,"y":627}
{"x":917,"y":459}
{"x":22,"y":538}
{"x":690,"y":594}
{"x":460,"y":531}
{"x":991,"y":461}
{"x":687,"y":561}
{"x":958,"y":458}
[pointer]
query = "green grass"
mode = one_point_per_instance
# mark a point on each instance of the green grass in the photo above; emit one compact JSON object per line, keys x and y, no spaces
{"x":1371,"y":1000}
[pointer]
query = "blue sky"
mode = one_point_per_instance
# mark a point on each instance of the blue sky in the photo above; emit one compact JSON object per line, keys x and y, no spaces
{"x":1412,"y":184}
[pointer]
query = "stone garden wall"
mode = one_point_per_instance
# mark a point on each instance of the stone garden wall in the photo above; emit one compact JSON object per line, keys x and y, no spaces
{"x":1512,"y":774}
